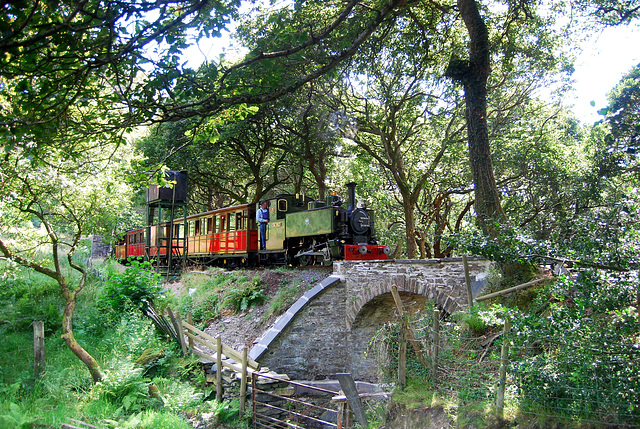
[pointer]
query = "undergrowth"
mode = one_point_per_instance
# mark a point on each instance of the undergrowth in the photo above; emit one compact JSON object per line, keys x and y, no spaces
{"x":218,"y":292}
{"x":146,"y":382}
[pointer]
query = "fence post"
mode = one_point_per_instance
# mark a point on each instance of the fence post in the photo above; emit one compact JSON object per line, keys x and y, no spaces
{"x":243,"y":382}
{"x":180,"y":330}
{"x":190,"y":322}
{"x":411,"y":336}
{"x":219,"y":369}
{"x":467,"y":280}
{"x":348,"y":386}
{"x":504,"y":356}
{"x":177,"y":326}
{"x":436,"y":343}
{"x":38,"y":348}
{"x":402,"y":354}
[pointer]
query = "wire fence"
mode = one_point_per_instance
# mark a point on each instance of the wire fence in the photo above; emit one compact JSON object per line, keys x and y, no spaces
{"x":544,"y":376}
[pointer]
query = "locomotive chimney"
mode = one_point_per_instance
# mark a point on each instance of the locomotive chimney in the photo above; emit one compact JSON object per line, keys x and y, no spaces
{"x":351,"y":187}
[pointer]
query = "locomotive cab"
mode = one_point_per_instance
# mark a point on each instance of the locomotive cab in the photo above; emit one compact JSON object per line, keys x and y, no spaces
{"x":279,"y":207}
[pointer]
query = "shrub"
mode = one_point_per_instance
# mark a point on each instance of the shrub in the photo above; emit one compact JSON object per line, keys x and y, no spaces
{"x":244,"y":294}
{"x":124,"y":386}
{"x":135,"y":287}
{"x":153,"y":420}
{"x":203,"y":304}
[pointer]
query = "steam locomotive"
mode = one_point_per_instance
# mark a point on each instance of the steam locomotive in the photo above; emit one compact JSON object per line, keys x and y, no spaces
{"x":301,"y":231}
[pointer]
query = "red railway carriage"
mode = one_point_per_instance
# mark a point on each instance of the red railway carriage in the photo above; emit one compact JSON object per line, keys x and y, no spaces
{"x":132,"y":245}
{"x":227,"y":233}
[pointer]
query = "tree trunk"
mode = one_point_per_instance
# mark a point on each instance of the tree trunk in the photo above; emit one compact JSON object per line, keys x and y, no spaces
{"x":474,"y":74}
{"x":67,"y":335}
{"x":410,"y":226}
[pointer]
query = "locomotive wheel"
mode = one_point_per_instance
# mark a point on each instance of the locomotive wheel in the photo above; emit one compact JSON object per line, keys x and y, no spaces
{"x":305,"y":260}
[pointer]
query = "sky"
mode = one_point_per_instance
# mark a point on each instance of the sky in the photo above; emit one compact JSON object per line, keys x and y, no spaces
{"x":599,"y":67}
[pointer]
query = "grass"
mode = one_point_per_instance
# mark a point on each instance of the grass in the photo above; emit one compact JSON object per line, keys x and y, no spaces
{"x":210,"y":295}
{"x":135,"y":359}
{"x":284,"y":298}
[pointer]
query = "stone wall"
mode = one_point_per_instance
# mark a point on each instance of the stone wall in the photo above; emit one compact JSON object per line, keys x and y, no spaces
{"x":441,"y":280}
{"x":99,"y":249}
{"x":312,"y":345}
{"x":330,"y":333}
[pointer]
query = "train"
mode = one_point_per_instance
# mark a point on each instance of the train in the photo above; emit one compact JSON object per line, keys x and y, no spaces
{"x":301,"y":232}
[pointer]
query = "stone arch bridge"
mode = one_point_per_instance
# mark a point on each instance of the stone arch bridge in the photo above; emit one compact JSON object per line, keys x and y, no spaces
{"x":328,"y":329}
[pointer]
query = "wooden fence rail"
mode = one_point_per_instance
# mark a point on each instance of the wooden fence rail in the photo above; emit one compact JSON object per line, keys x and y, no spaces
{"x":211,"y":349}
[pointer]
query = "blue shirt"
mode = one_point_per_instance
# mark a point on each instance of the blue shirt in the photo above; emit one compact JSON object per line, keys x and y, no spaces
{"x":262,"y":215}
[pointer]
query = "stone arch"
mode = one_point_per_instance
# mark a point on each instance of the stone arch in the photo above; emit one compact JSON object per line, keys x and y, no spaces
{"x":431,"y":288}
{"x":366,"y":357}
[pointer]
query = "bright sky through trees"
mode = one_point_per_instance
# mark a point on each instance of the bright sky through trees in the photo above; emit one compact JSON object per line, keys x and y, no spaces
{"x":606,"y":57}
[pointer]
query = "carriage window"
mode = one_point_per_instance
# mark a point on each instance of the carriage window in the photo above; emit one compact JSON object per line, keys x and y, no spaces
{"x":217,"y":227}
{"x":232,"y":222}
{"x":176,"y":231}
{"x":282,"y":205}
{"x":222,"y":224}
{"x":198,"y":224}
{"x":192,"y":229}
{"x":209,"y":225}
{"x":239,"y":219}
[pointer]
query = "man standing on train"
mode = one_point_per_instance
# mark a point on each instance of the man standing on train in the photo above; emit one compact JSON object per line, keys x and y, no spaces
{"x":262,"y":216}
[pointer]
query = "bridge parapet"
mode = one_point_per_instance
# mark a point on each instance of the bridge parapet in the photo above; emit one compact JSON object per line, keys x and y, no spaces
{"x":441,"y":280}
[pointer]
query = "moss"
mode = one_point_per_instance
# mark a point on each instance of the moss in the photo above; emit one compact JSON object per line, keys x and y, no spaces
{"x":148,"y":356}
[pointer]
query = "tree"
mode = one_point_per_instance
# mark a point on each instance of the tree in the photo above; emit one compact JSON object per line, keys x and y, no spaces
{"x":473,"y":73}
{"x":622,"y":144}
{"x":70,"y":199}
{"x":56,"y":51}
{"x":97,"y":45}
{"x":312,"y":122}
{"x":404,"y":124}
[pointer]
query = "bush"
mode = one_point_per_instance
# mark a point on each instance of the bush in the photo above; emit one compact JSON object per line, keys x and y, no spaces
{"x":244,"y":294}
{"x":138,"y":285}
{"x":203,"y":304}
{"x":28,"y":297}
{"x":580,"y":348}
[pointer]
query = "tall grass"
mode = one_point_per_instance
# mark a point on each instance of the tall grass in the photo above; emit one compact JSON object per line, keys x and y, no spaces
{"x":147,"y":383}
